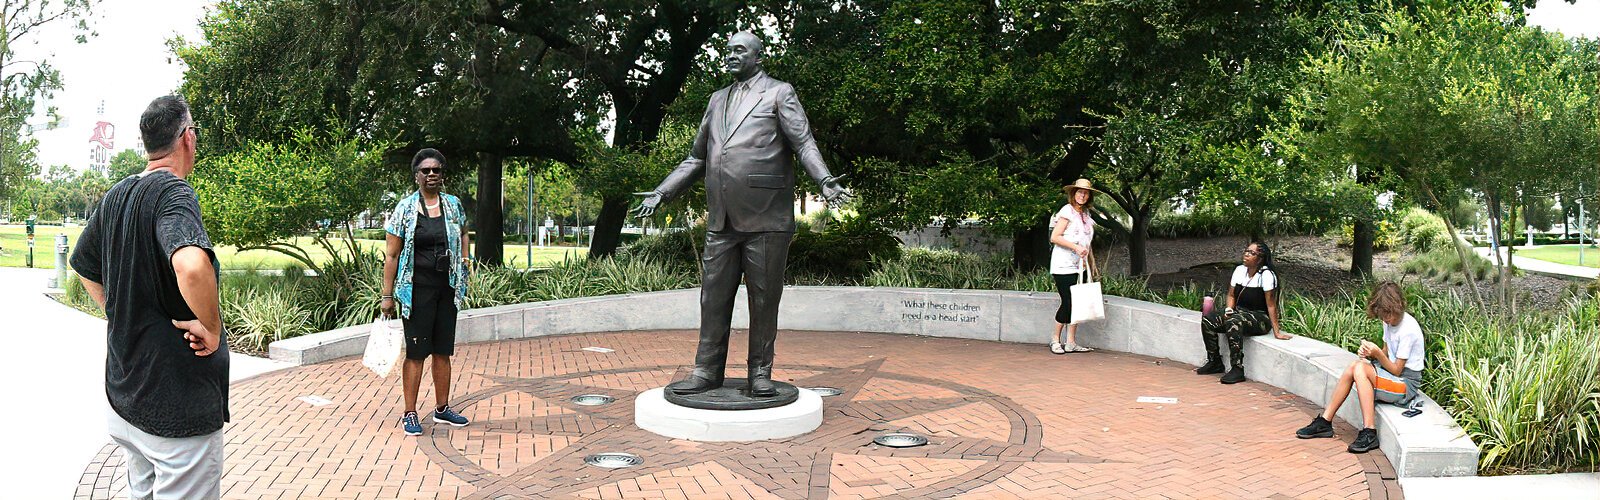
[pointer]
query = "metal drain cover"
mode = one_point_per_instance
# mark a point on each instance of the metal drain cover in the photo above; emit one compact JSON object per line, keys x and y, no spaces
{"x":900,"y":440}
{"x":613,"y":460}
{"x":826,"y":391}
{"x":592,"y":399}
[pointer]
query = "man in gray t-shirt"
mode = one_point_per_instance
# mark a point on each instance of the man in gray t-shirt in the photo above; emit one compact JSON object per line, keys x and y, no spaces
{"x":146,"y":259}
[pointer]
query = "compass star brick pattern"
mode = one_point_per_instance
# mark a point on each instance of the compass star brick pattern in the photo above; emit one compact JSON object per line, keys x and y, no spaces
{"x":630,"y":381}
{"x":861,"y":477}
{"x":707,"y":480}
{"x":970,"y":420}
{"x":1003,"y":421}
{"x":894,"y":389}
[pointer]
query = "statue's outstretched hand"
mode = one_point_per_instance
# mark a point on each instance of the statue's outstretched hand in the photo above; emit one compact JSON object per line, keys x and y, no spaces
{"x":835,"y":193}
{"x":647,"y":207}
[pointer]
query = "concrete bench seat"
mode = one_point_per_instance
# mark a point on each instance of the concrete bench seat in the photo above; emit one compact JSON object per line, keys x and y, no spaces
{"x":1428,"y":445}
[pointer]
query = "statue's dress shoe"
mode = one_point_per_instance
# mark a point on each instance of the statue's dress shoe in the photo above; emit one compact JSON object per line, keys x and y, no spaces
{"x":762,"y":387}
{"x":694,"y":384}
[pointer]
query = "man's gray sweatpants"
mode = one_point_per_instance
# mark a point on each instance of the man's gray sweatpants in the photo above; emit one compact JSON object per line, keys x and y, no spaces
{"x":162,"y":467}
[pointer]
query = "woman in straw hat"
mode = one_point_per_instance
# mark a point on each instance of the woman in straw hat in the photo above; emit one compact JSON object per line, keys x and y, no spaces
{"x":1069,"y":255}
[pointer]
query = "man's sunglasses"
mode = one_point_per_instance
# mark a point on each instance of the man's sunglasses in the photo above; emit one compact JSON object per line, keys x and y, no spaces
{"x":196,"y":129}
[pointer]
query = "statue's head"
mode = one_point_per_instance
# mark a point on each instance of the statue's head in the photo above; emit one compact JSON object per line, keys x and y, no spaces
{"x":743,"y":57}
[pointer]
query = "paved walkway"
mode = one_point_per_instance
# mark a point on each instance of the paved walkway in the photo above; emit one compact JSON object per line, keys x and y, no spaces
{"x":1004,"y":421}
{"x":1579,"y":486}
{"x":54,"y":380}
{"x":1542,"y":266}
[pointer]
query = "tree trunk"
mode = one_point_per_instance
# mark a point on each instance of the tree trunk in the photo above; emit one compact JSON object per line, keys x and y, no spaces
{"x":1467,"y":258}
{"x":1567,"y":211}
{"x":490,"y":240}
{"x":1364,"y":235}
{"x":1461,"y":250}
{"x":608,"y":227}
{"x":1496,"y":226}
{"x":1030,"y":248}
{"x":1510,"y":293}
{"x":1527,"y":223}
{"x":1138,"y":241}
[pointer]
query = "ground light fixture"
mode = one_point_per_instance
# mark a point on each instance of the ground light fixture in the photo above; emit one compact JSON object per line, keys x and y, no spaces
{"x":900,"y":440}
{"x":592,"y":399}
{"x":613,"y":460}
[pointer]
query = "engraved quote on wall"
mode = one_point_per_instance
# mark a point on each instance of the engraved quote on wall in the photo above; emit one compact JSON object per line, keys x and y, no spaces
{"x":947,"y":311}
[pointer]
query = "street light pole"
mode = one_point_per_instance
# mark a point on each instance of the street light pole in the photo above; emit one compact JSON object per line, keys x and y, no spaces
{"x":529,"y":210}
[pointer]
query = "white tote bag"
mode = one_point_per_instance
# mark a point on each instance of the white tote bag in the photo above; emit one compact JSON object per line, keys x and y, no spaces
{"x":1087,"y":302}
{"x":385,"y":345}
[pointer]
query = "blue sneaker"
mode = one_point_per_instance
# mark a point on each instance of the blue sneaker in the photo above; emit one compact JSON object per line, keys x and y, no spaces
{"x":446,"y":415}
{"x":412,"y":426}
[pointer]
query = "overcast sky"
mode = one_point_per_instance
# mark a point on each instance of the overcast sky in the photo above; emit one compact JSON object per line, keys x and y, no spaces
{"x":128,"y":64}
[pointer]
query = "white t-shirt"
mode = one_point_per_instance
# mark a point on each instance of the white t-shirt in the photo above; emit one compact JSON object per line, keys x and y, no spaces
{"x":1405,"y":342}
{"x":1264,"y":279}
{"x":1080,"y":230}
{"x":1251,"y":291}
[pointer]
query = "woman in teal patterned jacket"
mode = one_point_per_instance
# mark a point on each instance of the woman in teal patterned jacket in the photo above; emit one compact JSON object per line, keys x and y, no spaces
{"x":425,"y":269}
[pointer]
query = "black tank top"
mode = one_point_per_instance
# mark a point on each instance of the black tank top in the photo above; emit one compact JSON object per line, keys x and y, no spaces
{"x":1254,"y":297}
{"x":431,"y":255}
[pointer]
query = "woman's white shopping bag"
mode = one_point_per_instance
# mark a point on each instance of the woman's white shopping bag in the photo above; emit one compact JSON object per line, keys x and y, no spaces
{"x":1087,"y":302}
{"x":385,"y":345}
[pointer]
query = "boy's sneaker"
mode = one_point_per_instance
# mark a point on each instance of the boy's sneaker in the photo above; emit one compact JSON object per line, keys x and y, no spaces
{"x":1234,"y":376}
{"x":1366,"y":440}
{"x":1212,"y":366}
{"x":1056,"y":347}
{"x":446,"y":415}
{"x":412,"y":426}
{"x":1319,"y":428}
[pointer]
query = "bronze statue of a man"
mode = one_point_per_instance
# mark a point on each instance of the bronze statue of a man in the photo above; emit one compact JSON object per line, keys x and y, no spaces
{"x":748,"y":140}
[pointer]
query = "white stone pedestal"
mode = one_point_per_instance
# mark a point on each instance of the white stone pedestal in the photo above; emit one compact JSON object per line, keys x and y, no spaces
{"x":653,"y":413}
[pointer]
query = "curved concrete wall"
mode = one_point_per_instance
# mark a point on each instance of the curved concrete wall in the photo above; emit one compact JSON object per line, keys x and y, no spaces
{"x":1428,"y":445}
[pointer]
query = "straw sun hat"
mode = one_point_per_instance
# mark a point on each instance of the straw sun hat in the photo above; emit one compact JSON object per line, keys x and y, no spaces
{"x":1080,"y":184}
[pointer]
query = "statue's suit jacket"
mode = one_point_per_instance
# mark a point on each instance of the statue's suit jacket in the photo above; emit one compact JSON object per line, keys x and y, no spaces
{"x":747,"y":157}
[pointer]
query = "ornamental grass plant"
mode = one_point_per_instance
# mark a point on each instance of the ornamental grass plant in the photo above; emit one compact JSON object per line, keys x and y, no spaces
{"x":1526,"y":389}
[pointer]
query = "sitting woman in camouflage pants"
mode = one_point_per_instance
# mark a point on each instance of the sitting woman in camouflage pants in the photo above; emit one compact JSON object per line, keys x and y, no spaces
{"x":1252,"y":310}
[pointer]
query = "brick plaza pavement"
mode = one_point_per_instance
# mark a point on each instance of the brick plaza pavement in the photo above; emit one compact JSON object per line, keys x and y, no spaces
{"x":1003,"y":421}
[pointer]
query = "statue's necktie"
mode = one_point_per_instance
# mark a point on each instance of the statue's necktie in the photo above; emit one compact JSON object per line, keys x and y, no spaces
{"x":729,"y":116}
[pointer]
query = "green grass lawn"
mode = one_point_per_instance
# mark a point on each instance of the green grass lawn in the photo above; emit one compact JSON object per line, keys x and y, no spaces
{"x":1563,"y":254}
{"x":14,"y":245}
{"x":14,"y":251}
